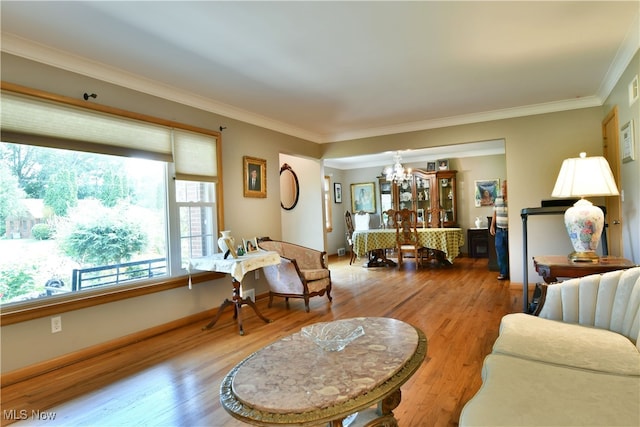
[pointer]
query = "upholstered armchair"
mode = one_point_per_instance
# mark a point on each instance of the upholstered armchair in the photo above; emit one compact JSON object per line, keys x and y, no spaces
{"x":302,"y":272}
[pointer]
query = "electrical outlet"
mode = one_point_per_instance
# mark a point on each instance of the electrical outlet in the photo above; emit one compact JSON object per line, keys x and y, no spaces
{"x":56,"y":324}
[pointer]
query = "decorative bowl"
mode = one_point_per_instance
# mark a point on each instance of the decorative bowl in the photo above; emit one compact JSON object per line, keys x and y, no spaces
{"x":332,"y":336}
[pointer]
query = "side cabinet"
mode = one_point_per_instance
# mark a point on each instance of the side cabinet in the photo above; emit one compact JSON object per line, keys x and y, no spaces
{"x":478,"y":239}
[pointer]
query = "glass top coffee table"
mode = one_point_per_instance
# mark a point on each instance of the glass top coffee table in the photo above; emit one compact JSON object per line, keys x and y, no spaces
{"x":293,"y":381}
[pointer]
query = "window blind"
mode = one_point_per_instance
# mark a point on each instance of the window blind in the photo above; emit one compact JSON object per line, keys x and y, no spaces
{"x":194,"y":156}
{"x":31,"y":120}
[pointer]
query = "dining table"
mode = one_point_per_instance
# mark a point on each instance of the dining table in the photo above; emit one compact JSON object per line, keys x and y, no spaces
{"x":375,"y":242}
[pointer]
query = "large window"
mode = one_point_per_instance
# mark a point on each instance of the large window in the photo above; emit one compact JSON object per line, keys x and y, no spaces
{"x":80,"y":214}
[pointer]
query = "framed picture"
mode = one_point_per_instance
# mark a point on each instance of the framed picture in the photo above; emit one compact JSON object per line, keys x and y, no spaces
{"x":363,"y":197}
{"x":431,"y":166}
{"x":250,"y":245}
{"x":337,"y":192}
{"x":628,"y":143}
{"x":634,"y":92}
{"x":254,"y":177}
{"x":443,"y":164}
{"x":486,"y":192}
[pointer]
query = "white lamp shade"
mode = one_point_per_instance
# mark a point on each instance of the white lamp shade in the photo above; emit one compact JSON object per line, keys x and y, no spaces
{"x":581,"y":177}
{"x":585,"y":176}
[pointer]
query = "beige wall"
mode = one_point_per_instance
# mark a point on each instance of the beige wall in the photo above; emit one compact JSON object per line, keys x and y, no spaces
{"x":31,"y":342}
{"x":535,"y":147}
{"x":630,"y":171}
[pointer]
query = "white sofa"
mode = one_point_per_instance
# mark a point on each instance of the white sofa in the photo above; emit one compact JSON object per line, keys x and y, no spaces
{"x":576,"y":364}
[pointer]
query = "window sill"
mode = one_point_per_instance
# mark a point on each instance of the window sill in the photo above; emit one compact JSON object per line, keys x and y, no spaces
{"x":56,"y":305}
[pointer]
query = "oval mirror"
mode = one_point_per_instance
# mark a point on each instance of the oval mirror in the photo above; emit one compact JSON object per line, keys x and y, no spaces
{"x":289,"y":189}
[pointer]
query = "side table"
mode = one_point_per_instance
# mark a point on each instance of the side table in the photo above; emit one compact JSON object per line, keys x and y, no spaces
{"x":237,"y":268}
{"x":478,"y":239}
{"x":550,"y":267}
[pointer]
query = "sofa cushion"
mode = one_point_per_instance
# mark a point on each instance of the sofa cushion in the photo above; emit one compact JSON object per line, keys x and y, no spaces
{"x":567,"y":344}
{"x":519,"y":392}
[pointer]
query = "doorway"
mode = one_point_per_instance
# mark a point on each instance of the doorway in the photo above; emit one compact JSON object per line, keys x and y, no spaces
{"x":611,"y":152}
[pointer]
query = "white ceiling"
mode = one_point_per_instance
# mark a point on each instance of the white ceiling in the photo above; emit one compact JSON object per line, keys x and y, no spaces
{"x":329,"y":71}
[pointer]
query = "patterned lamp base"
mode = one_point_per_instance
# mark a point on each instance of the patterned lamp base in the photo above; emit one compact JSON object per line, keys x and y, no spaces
{"x":584,"y":223}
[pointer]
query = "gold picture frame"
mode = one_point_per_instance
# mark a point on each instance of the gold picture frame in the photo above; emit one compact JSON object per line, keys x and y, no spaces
{"x":363,"y":197}
{"x":254,"y":177}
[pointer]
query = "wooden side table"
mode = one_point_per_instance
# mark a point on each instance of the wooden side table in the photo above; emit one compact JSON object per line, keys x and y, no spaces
{"x":550,"y":267}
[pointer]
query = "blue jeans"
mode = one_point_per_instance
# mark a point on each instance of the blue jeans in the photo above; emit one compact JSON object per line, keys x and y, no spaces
{"x":502,"y":250}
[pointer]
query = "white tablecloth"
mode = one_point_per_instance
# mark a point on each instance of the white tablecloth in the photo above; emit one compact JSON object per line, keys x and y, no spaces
{"x":236,"y":267}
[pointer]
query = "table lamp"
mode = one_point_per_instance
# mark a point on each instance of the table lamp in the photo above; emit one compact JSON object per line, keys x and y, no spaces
{"x":582,"y":177}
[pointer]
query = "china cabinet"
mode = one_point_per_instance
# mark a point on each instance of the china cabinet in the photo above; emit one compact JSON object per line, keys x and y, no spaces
{"x":431,"y":194}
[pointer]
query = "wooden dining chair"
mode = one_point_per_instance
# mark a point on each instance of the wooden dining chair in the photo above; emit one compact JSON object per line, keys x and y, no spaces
{"x":389,"y":218}
{"x":407,"y":236}
{"x":349,"y":235}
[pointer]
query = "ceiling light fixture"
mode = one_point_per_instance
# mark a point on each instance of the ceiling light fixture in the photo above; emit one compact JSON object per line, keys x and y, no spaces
{"x":397,"y":172}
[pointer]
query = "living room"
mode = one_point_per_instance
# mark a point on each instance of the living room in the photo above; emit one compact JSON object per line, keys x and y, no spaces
{"x":535,"y":146}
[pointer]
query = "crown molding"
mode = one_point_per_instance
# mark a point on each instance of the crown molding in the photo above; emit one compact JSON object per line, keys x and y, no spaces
{"x":623,"y":58}
{"x":60,"y":59}
{"x":508,"y":113}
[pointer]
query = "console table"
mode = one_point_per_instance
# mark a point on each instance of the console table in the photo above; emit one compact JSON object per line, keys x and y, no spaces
{"x":295,"y":382}
{"x":547,"y":210}
{"x":237,"y":268}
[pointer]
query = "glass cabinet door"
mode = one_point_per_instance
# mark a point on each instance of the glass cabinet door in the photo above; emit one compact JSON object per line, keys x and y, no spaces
{"x":386,"y":194}
{"x":423,"y":199}
{"x":447,"y":198}
{"x":405,"y":195}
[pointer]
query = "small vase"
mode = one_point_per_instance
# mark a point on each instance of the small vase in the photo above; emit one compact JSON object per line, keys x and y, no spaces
{"x":222,"y":244}
{"x":478,"y":223}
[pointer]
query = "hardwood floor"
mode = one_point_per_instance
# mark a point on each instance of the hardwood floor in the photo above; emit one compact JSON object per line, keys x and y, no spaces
{"x":174,"y":379}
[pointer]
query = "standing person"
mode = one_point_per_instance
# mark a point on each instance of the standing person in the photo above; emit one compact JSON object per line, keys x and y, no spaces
{"x":500,"y":229}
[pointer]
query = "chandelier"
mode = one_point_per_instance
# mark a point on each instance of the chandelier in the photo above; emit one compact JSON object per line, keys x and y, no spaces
{"x":397,"y":172}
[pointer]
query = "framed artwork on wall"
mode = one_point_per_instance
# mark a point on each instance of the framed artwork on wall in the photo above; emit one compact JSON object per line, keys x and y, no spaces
{"x":486,"y":191}
{"x":363,"y":197}
{"x":254,"y":177}
{"x":628,"y":143}
{"x":337,"y":192}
